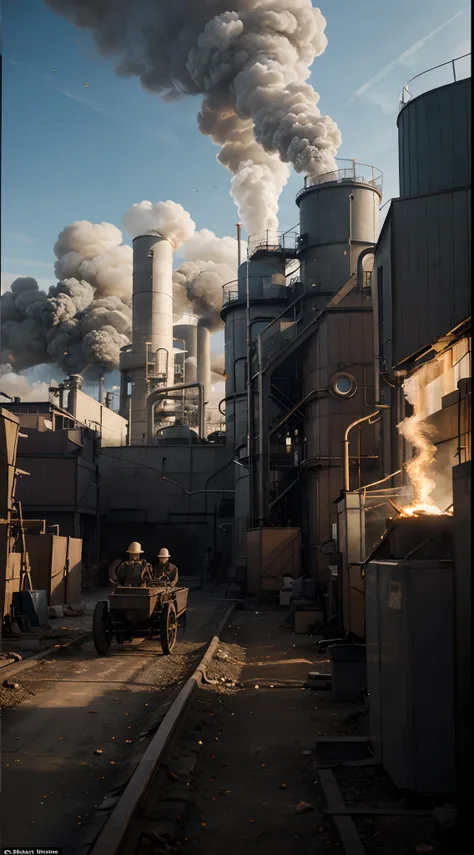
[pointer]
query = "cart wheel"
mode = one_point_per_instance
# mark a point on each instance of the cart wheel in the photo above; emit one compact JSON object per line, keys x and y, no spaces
{"x":182,"y":622}
{"x":100,"y":634}
{"x":169,"y":628}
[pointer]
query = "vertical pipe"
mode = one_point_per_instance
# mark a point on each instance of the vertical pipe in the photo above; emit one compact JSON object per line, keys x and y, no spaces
{"x":351,"y":199}
{"x":249,"y":391}
{"x":101,"y":389}
{"x":262,"y":459}
{"x":204,"y":359}
{"x":239,"y":226}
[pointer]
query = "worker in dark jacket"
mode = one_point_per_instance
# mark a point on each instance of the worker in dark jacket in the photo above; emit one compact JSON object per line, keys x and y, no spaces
{"x":134,"y":572}
{"x":166,"y":573}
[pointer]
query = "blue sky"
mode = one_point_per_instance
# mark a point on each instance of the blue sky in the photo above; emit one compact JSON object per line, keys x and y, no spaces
{"x":74,"y":152}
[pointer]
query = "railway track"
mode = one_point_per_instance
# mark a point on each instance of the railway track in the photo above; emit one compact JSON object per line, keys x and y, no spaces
{"x":79,"y":727}
{"x":132,"y":821}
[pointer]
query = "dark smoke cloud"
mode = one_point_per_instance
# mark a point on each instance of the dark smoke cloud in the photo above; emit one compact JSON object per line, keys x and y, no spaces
{"x":250,"y":60}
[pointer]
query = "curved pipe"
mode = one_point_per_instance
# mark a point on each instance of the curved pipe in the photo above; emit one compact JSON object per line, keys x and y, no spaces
{"x":163,"y":390}
{"x":346,"y":443}
{"x":369,"y":250}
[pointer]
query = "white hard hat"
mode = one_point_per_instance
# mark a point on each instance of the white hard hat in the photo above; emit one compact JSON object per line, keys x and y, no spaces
{"x":135,"y":548}
{"x":163,"y":553}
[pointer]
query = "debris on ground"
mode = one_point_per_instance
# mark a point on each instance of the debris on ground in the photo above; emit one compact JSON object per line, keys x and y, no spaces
{"x":304,"y":807}
{"x":226,"y":667}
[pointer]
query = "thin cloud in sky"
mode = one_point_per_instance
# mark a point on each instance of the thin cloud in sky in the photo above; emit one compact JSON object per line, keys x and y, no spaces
{"x":403,"y":59}
{"x":21,"y":238}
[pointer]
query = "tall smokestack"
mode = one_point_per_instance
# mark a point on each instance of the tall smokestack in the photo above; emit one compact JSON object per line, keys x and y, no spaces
{"x":204,"y":358}
{"x":101,"y":388}
{"x":151,"y":360}
{"x":187,"y":332}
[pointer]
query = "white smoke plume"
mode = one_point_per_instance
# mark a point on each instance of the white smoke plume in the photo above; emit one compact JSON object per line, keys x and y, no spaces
{"x":94,"y":253}
{"x":210,"y":263}
{"x":217,"y":367}
{"x":167,"y":218}
{"x":250,"y":60}
{"x":420,"y":468}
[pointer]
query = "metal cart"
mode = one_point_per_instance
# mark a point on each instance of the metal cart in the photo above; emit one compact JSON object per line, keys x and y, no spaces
{"x":140,"y":613}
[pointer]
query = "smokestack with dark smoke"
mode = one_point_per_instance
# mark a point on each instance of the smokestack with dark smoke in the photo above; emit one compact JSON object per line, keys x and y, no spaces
{"x":250,"y":60}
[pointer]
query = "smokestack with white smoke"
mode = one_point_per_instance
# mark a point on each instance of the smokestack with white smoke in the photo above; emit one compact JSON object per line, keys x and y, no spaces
{"x":210,"y":263}
{"x":167,"y":218}
{"x":250,"y":60}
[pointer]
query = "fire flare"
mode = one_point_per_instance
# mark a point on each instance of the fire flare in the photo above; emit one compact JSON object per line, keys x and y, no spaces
{"x":419,"y":433}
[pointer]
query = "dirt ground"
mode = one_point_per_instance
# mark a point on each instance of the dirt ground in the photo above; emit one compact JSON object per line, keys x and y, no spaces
{"x":249,"y":779}
{"x":75,"y":729}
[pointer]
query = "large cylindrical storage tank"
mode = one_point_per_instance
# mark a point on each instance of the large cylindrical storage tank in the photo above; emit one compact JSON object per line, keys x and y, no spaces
{"x":204,"y":358}
{"x":187,"y":333}
{"x":339,"y":215}
{"x":339,"y":218}
{"x":151,"y":359}
{"x":268,"y":298}
{"x":434,"y":140}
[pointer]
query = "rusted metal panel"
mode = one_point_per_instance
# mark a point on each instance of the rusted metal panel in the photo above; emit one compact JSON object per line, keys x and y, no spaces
{"x":271,"y":554}
{"x":56,"y":567}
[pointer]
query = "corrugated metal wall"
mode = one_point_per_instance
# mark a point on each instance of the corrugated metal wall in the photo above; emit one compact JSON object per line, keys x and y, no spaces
{"x":431,"y":269}
{"x":434,"y":139}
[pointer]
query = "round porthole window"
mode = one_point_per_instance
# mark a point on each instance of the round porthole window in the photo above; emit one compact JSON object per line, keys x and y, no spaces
{"x":343,"y":385}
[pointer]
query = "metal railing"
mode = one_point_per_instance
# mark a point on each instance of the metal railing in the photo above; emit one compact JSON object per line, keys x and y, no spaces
{"x":259,"y":286}
{"x":360,"y":173}
{"x":230,"y":292}
{"x":272,"y":241}
{"x":293,"y":320}
{"x":451,"y":72}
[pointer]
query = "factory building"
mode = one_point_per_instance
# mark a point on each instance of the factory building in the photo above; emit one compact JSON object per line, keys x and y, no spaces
{"x":422,"y":329}
{"x":302,"y":318}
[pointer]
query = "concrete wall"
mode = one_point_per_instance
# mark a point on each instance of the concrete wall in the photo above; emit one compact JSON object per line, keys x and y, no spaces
{"x":137,"y":504}
{"x":88,"y":411}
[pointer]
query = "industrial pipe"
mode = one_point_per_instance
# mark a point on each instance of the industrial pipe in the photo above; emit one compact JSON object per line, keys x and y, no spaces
{"x":204,"y":358}
{"x":239,"y":226}
{"x":164,"y":390}
{"x":346,"y":441}
{"x":369,"y":250}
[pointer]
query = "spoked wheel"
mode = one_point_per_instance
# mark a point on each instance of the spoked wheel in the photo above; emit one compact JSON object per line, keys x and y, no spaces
{"x":169,"y":628}
{"x":100,"y":632}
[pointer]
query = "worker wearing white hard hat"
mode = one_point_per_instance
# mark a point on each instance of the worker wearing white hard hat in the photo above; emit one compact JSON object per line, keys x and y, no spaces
{"x":166,"y":573}
{"x":134,"y":572}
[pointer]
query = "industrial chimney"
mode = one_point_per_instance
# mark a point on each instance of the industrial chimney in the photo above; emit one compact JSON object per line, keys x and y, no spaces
{"x":186,"y":331}
{"x":204,"y":358}
{"x":149,"y":362}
